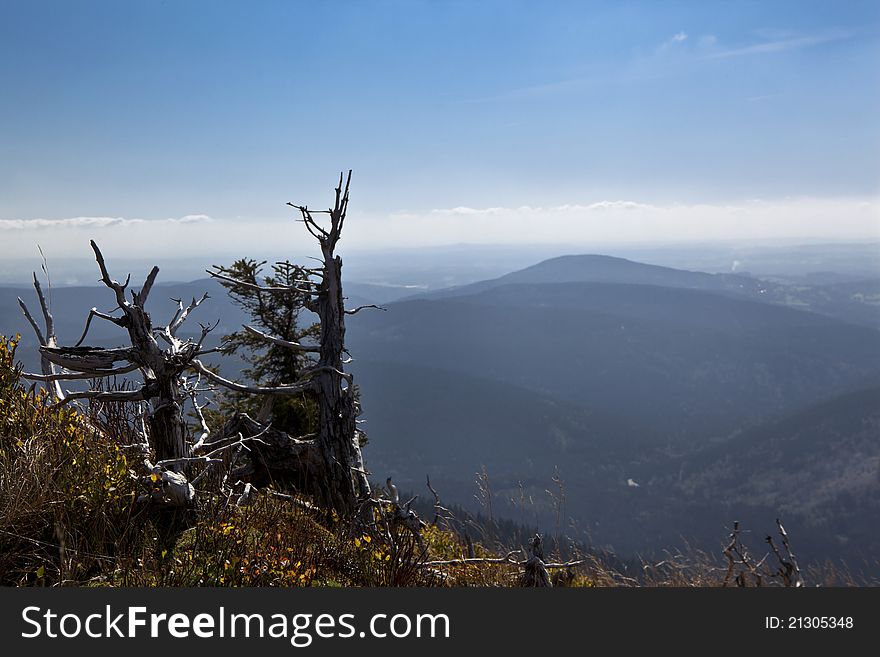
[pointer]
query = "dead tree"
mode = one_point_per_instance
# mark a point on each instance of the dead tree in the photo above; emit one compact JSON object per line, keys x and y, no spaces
{"x":441,"y":513}
{"x":161,"y":368}
{"x":788,"y":568}
{"x":741,"y":565}
{"x":328,"y":466}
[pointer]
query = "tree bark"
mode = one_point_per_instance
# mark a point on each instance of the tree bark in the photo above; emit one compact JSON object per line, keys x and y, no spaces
{"x":345,"y":483}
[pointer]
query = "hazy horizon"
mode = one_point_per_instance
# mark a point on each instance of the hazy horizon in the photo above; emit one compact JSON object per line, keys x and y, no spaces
{"x":446,"y":265}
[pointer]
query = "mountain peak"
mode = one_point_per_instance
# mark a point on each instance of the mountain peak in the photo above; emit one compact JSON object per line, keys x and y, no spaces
{"x":595,"y":268}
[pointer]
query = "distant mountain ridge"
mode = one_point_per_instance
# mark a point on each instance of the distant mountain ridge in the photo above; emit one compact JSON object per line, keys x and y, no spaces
{"x":686,"y":358}
{"x":856,"y":302}
{"x":592,"y":268}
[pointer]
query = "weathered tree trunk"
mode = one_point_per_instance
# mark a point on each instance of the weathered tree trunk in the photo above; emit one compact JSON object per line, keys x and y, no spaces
{"x":161,"y":371}
{"x":167,"y":425}
{"x":346,"y":481}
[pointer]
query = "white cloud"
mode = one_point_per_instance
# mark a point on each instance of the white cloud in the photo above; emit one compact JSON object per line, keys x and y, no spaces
{"x":529,"y":209}
{"x":95,"y":222}
{"x":465,"y":211}
{"x":624,"y":221}
{"x":681,"y":36}
{"x":780,"y":45}
{"x":582,"y":223}
{"x":193,"y":219}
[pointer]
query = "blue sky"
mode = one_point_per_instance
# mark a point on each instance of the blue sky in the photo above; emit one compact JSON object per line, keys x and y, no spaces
{"x":140,"y":112}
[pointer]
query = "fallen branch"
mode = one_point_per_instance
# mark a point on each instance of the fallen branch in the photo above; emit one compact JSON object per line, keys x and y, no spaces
{"x":507,"y":559}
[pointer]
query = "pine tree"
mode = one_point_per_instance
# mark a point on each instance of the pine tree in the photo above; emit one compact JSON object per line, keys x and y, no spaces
{"x":278,"y":312}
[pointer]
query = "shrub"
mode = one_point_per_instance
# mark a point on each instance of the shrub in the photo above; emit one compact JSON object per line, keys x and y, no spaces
{"x":66,"y":493}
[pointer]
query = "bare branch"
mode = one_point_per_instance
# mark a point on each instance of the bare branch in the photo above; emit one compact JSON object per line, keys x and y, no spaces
{"x":253,"y":286}
{"x":314,"y":228}
{"x":50,"y":323}
{"x":355,"y":311}
{"x":192,"y":390}
{"x":181,"y":318}
{"x":141,"y":297}
{"x":788,"y":566}
{"x":294,"y":389}
{"x":506,"y":559}
{"x":206,"y":430}
{"x":87,"y":359}
{"x":24,"y":309}
{"x":566,"y":564}
{"x":279,"y":341}
{"x":79,"y":376}
{"x":212,"y":350}
{"x":240,"y":442}
{"x":94,"y":312}
{"x":439,"y":509}
{"x":311,"y":225}
{"x":341,"y":207}
{"x":105,"y":276}
{"x":206,"y":329}
{"x":303,"y":208}
{"x":177,"y":312}
{"x":103,"y":395}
